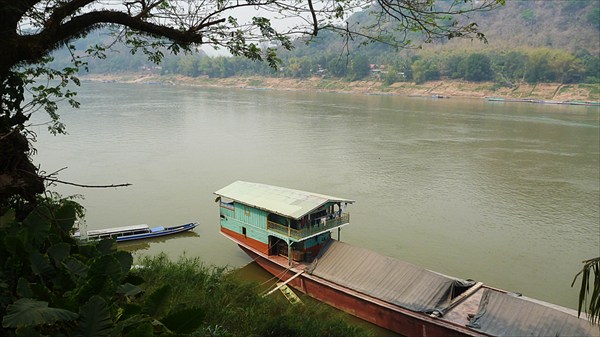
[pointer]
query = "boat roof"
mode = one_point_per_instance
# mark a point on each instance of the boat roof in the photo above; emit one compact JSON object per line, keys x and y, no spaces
{"x":421,"y":290}
{"x":393,"y":281}
{"x":526,"y":318}
{"x":117,"y":229}
{"x":280,"y":200}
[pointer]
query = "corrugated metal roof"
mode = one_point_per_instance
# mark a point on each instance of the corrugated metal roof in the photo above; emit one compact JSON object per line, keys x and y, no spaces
{"x":385,"y":278}
{"x":280,"y":200}
{"x":501,"y":314}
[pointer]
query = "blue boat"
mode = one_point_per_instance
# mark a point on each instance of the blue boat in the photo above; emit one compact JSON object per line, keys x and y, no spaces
{"x":135,"y":232}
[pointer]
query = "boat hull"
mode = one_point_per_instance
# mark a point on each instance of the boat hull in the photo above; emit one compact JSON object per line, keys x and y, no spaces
{"x":165,"y":232}
{"x":380,"y":313}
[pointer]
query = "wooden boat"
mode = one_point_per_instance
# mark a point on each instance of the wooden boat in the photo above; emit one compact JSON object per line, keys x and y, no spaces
{"x":288,"y":233}
{"x":135,"y":232}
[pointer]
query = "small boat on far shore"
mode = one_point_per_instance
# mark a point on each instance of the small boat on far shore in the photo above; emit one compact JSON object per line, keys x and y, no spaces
{"x":135,"y":232}
{"x":530,"y":100}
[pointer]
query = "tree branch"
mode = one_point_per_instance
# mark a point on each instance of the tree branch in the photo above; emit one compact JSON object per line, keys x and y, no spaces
{"x":82,"y":185}
{"x":314,"y":17}
{"x":67,"y":9}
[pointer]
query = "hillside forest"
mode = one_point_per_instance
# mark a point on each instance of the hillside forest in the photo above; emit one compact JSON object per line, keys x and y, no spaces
{"x":527,"y":41}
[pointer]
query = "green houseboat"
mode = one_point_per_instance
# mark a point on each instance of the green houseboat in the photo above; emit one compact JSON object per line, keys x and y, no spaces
{"x":279,"y":221}
{"x":289,"y":233}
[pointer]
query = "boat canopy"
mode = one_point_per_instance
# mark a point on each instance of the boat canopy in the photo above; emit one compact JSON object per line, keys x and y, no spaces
{"x":390,"y":280}
{"x":279,"y":200}
{"x":502,"y":314}
{"x":117,"y":230}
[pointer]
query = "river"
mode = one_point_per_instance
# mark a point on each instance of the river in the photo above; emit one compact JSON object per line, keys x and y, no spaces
{"x":503,"y":193}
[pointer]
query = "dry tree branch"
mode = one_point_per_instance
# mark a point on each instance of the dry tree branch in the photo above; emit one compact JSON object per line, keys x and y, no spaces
{"x":83,"y":185}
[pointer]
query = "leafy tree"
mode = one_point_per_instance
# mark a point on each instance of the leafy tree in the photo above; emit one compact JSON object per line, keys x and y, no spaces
{"x":189,"y":66}
{"x":593,"y":306}
{"x":53,"y":286}
{"x":391,"y":75}
{"x":591,"y":64}
{"x":593,"y":17}
{"x":537,"y":68}
{"x":478,"y":68}
{"x":424,"y":70}
{"x":454,"y":66}
{"x":337,"y":66}
{"x":299,"y":67}
{"x":528,"y":16}
{"x":567,"y":68}
{"x":360,"y":67}
{"x":404,"y":66}
{"x":509,"y":67}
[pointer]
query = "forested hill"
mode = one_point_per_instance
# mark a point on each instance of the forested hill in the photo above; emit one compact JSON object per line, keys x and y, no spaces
{"x":572,"y":25}
{"x":533,"y":41}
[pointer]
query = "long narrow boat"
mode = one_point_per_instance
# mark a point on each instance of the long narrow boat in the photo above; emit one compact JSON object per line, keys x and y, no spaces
{"x":288,"y":233}
{"x":135,"y":232}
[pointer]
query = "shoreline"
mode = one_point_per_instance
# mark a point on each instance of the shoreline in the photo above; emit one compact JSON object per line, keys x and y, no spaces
{"x":553,"y":93}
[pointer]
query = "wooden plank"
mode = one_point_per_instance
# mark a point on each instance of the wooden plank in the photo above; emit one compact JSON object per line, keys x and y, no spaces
{"x":460,"y":298}
{"x":289,"y":294}
{"x":284,"y":283}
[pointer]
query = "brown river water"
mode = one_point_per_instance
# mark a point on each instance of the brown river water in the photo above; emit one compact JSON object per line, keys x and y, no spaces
{"x":503,"y":193}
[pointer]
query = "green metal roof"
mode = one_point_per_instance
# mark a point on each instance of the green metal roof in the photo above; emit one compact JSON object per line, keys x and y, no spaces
{"x":280,"y":200}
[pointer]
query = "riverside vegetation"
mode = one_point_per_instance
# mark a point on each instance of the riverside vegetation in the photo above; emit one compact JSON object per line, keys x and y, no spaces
{"x":53,"y":285}
{"x":530,"y":43}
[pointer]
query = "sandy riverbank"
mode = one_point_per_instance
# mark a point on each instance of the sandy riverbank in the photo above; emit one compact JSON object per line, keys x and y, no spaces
{"x":542,"y":91}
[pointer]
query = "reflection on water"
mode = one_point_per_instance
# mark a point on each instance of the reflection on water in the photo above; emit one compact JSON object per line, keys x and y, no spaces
{"x":506,"y":194}
{"x":141,"y":245}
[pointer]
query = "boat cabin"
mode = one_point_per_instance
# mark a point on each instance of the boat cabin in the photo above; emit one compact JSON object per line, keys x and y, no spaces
{"x":280,"y":221}
{"x":109,"y":233}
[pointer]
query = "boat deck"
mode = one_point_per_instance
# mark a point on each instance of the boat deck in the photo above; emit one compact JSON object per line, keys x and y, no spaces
{"x":479,"y":311}
{"x":462,"y":312}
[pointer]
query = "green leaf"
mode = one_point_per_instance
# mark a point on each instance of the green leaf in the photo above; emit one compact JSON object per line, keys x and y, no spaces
{"x":94,"y":318}
{"x":24,"y":288}
{"x":106,"y":247}
{"x":184,"y":321}
{"x":129,"y":313}
{"x":28,"y":332}
{"x":41,"y":292}
{"x":27,"y":312}
{"x":125,"y":259}
{"x":40,"y":265}
{"x":144,"y":329}
{"x":65,"y":216}
{"x":76,"y":267}
{"x":7,"y":218}
{"x":107,"y":265}
{"x":37,"y":224}
{"x":128,"y":289}
{"x":156,"y":302}
{"x":59,"y":252}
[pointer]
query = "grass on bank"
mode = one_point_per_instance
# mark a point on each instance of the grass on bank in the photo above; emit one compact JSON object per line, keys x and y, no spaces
{"x":233,"y":307}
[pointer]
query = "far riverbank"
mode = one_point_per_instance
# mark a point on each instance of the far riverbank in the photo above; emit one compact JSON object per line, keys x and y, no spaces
{"x":524,"y":91}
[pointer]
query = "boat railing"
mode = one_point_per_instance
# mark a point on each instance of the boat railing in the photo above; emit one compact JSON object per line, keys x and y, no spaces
{"x":309,"y":229}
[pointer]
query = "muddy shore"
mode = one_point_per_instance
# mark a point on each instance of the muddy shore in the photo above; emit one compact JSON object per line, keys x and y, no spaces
{"x":540,"y":91}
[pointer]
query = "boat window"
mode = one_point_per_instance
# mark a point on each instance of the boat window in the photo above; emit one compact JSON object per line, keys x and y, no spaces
{"x":244,"y":231}
{"x":227,"y":205}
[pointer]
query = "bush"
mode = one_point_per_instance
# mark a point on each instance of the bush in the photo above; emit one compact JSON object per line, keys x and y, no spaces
{"x":233,"y":307}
